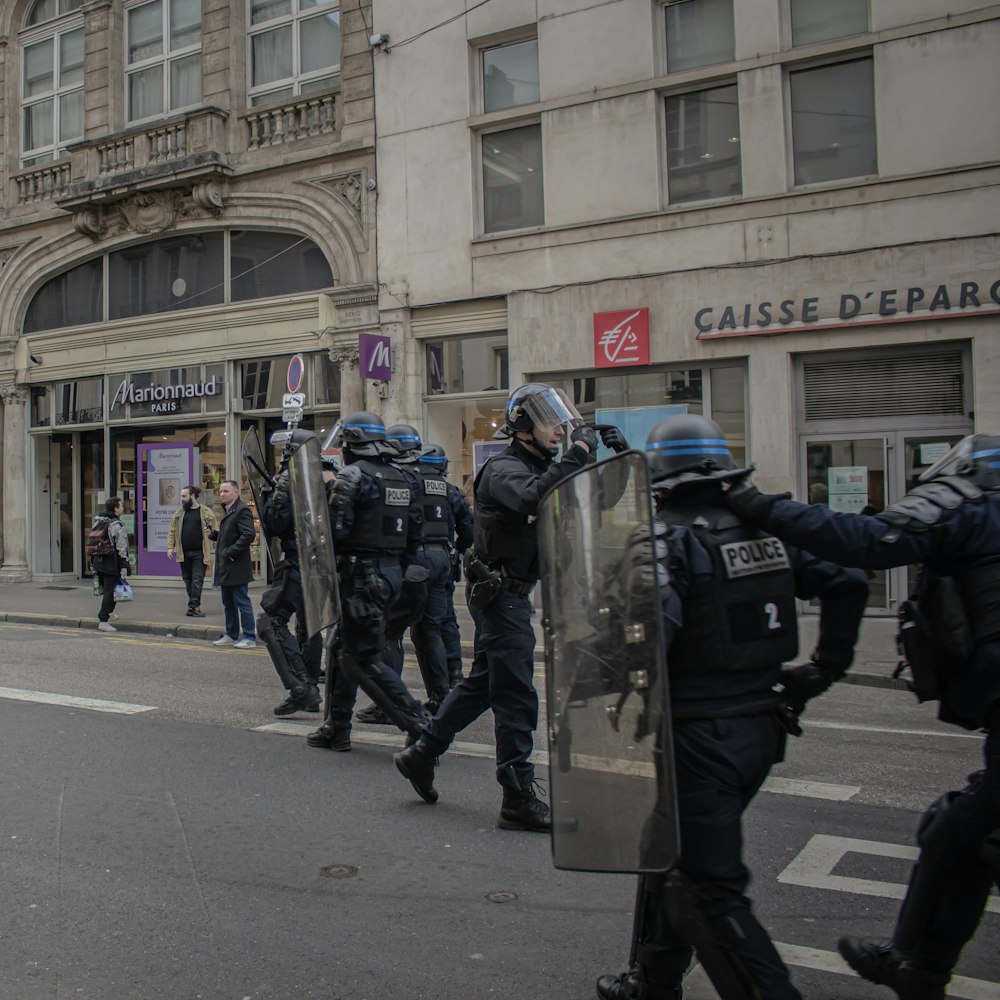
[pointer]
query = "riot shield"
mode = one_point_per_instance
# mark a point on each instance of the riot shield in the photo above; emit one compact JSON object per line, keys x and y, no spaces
{"x":314,"y":537}
{"x":612,"y":787}
{"x":255,"y":469}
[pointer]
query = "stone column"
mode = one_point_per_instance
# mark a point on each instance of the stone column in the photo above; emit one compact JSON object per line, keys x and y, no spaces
{"x":352,"y":388}
{"x":15,"y":485}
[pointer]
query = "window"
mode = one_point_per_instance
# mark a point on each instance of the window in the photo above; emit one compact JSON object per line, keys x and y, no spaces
{"x":818,"y":20}
{"x":703,"y":145}
{"x":265,"y":264}
{"x":833,"y":122}
{"x":467,"y":364}
{"x":72,"y":298}
{"x":163,"y":45}
{"x":512,"y":179}
{"x":699,"y":33}
{"x":510,"y":75}
{"x":51,"y":81}
{"x":294,"y":49}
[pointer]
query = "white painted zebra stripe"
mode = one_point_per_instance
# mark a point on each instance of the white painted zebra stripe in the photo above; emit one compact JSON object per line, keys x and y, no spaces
{"x":71,"y":701}
{"x":811,"y":789}
{"x":944,"y":734}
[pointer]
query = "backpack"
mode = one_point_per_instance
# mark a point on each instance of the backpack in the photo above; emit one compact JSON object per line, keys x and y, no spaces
{"x":98,"y":541}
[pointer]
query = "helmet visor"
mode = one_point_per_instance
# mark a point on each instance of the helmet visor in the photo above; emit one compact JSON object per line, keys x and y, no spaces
{"x":952,"y":462}
{"x":550,"y":408}
{"x":335,"y":439}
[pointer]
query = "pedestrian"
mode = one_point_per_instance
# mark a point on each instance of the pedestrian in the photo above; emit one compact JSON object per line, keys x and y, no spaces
{"x":727,"y":634}
{"x":949,"y":523}
{"x":505,"y":558}
{"x":234,"y":567}
{"x":188,"y":543}
{"x":376,"y":526}
{"x":107,"y":545}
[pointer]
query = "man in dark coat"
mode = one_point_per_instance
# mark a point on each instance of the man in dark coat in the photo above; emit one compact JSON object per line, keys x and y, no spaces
{"x":234,"y":567}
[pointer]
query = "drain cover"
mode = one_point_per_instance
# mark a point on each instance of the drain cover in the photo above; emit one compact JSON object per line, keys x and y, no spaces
{"x":57,"y":588}
{"x":501,"y":897}
{"x":339,"y":871}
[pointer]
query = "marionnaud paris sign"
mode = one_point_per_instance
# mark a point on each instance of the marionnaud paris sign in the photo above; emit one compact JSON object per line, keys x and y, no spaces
{"x":158,"y":398}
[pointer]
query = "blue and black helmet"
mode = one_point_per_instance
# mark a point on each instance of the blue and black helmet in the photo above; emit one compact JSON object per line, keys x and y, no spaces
{"x":405,"y":437}
{"x":689,"y":448}
{"x":976,"y":457}
{"x":361,"y":433}
{"x":436,"y":456}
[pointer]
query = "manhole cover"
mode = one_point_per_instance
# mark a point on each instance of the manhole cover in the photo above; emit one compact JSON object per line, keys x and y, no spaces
{"x":501,"y":897}
{"x":339,"y":871}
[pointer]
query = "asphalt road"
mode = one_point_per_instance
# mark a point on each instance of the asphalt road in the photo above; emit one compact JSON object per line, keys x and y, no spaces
{"x":176,"y":843}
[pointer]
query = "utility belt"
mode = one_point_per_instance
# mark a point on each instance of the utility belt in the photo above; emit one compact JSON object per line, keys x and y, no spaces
{"x":441,"y":546}
{"x":522,"y":587}
{"x":347,"y":565}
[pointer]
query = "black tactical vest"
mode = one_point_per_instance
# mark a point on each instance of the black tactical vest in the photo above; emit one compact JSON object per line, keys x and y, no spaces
{"x":980,"y":590}
{"x":434,"y":503}
{"x":502,"y":536}
{"x":742,"y":617}
{"x":382,"y":526}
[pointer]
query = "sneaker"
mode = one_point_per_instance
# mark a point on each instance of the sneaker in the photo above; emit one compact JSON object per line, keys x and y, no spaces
{"x":245,"y":644}
{"x":196,"y":613}
{"x":106,"y":627}
{"x":223,"y":640}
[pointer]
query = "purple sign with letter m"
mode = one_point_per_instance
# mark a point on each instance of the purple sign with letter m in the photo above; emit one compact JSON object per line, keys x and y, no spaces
{"x":375,"y":352}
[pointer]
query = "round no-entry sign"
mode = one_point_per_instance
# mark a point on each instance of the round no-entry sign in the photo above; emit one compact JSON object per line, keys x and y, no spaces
{"x":296,"y":372}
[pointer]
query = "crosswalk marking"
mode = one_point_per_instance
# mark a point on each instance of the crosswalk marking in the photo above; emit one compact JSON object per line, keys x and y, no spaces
{"x":71,"y":701}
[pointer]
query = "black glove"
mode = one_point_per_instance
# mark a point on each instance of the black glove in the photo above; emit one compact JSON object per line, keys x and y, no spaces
{"x":280,"y":499}
{"x":748,"y":502}
{"x":612,"y":438}
{"x":586,"y":435}
{"x":803,"y":683}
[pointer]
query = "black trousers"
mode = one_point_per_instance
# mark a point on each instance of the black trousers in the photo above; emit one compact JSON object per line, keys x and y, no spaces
{"x":193,"y":572}
{"x":108,"y":602}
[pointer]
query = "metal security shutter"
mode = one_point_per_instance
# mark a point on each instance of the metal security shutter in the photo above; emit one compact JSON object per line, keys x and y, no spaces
{"x":900,"y":386}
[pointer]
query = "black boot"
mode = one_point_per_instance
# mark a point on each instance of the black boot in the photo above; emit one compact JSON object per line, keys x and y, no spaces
{"x":310,"y":700}
{"x":876,"y":960}
{"x":289,"y":706}
{"x":374,"y":716}
{"x":416,"y":763}
{"x":454,"y":672}
{"x":523,"y":810}
{"x":630,"y":986}
{"x":331,"y":737}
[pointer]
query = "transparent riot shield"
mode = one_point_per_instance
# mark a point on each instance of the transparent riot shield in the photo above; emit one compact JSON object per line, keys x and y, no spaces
{"x":255,"y":469}
{"x":611,"y":776}
{"x":314,"y":537}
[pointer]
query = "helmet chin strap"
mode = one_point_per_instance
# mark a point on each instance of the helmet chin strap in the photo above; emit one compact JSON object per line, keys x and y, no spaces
{"x":528,"y":438}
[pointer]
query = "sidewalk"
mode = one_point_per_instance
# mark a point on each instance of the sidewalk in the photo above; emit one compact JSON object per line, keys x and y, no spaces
{"x":159,"y":610}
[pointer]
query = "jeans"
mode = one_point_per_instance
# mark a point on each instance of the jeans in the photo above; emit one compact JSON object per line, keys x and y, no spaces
{"x":108,"y":602}
{"x":237,"y":606}
{"x":501,"y":678}
{"x":193,"y":572}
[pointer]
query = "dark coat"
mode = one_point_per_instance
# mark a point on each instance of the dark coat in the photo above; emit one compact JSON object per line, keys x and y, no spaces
{"x":234,"y":537}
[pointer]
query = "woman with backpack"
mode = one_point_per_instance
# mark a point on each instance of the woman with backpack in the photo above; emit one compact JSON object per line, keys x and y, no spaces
{"x":107,"y":546}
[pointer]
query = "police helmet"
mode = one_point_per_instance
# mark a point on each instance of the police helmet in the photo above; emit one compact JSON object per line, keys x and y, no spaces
{"x":976,"y":457}
{"x":536,"y":405}
{"x":361,"y":433}
{"x":291,"y":441}
{"x":405,"y":437}
{"x":689,"y":448}
{"x":435,"y":455}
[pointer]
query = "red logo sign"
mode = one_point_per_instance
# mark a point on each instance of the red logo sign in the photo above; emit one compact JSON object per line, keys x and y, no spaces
{"x":621,"y":338}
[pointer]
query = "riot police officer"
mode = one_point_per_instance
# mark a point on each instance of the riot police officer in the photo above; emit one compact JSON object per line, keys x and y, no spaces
{"x":460,"y":535}
{"x":376,"y":528}
{"x":504,"y":569}
{"x":729,"y":623}
{"x":296,"y":658}
{"x":950,"y":523}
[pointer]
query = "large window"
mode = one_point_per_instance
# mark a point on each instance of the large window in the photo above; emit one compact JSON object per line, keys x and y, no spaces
{"x":699,"y":33}
{"x":510,"y":75}
{"x":51,"y":80}
{"x":512,"y":179}
{"x":163,"y":54}
{"x":179,"y":272}
{"x":819,"y":20}
{"x":703,"y":145}
{"x":294,"y":49}
{"x":467,"y":364}
{"x":833,"y":122}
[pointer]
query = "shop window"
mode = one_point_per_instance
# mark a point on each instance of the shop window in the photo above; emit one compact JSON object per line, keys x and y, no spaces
{"x":467,"y":364}
{"x":326,"y":383}
{"x":512,"y":179}
{"x":216,"y":374}
{"x":833,"y":122}
{"x":294,"y":49}
{"x":510,"y":75}
{"x":79,"y":402}
{"x":703,"y":145}
{"x":163,"y":54}
{"x":51,"y":81}
{"x":72,"y":298}
{"x":183,"y":272}
{"x":264,"y":264}
{"x":699,"y":33}
{"x":819,"y":20}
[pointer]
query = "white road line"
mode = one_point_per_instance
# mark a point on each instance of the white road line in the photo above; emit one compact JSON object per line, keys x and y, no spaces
{"x":811,"y":789}
{"x":70,"y":701}
{"x":806,"y":723}
{"x":813,"y":867}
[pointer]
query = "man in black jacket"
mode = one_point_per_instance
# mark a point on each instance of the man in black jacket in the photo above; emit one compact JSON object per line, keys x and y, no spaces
{"x":234,"y":567}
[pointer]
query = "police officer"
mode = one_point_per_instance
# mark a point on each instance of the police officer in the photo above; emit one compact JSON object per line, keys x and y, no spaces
{"x":460,"y":528}
{"x":296,"y":658}
{"x":505,"y":563}
{"x":376,"y":525}
{"x":729,"y":622}
{"x":950,"y":523}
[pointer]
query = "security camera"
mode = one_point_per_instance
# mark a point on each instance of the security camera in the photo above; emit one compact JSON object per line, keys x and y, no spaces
{"x":35,"y":360}
{"x":379,"y":38}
